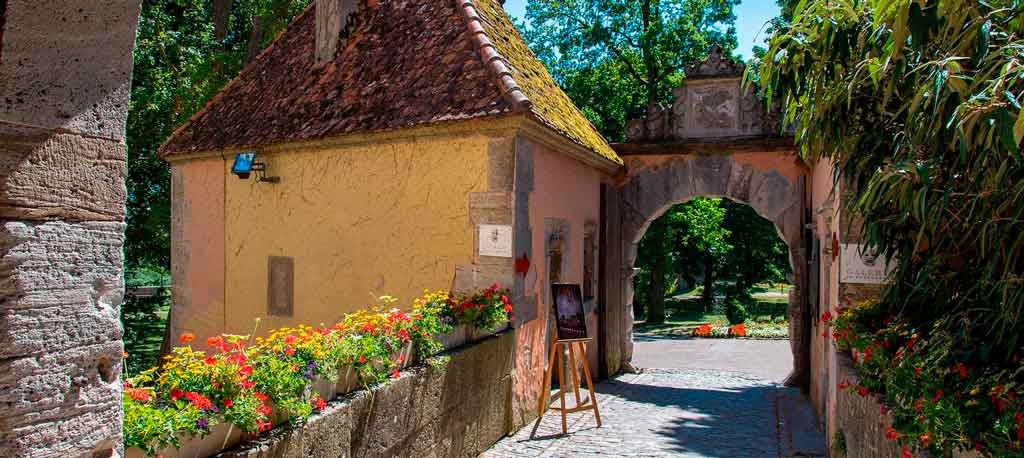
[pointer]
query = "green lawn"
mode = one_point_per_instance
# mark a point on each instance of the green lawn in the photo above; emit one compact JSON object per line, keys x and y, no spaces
{"x":685,"y":312}
{"x":143,"y":335}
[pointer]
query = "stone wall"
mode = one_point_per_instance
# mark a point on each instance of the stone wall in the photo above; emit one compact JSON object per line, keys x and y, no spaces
{"x":65,"y":76}
{"x":457,"y":409}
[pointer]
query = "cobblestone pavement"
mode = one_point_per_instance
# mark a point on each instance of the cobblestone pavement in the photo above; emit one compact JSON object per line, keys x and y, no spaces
{"x":686,"y":413}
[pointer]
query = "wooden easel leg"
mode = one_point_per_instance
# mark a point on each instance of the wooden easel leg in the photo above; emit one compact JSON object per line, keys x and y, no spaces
{"x":561,"y":390}
{"x":590,"y":383}
{"x":575,"y":374}
{"x":545,"y":389}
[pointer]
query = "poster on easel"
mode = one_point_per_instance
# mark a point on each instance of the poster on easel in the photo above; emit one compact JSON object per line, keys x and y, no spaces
{"x":569,"y":317}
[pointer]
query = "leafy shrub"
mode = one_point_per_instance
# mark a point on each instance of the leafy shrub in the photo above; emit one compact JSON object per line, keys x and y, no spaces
{"x":735,"y":310}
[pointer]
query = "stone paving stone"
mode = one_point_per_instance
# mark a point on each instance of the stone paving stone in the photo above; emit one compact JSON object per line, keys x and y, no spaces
{"x":677,"y":413}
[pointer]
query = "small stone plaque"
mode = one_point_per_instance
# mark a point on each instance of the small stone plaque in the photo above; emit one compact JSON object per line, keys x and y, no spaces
{"x":858,"y":267}
{"x":495,"y":240}
{"x":280,"y":286}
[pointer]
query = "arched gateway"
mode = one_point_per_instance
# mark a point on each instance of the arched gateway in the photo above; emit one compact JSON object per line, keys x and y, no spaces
{"x":716,"y":141}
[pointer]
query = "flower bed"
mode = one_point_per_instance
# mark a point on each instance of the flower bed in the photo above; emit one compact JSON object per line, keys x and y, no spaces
{"x":942,"y":399}
{"x":721,"y":331}
{"x":204,"y":401}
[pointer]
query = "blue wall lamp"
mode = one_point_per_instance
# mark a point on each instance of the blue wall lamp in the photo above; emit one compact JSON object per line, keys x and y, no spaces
{"x":246,"y":163}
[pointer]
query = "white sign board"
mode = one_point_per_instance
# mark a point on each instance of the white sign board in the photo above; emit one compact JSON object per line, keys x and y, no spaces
{"x":857,"y":267}
{"x":495,"y":240}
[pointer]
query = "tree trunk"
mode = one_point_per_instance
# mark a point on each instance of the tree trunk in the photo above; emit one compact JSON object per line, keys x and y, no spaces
{"x":708,"y":295}
{"x":656,"y":292}
{"x":221,"y":15}
{"x":255,"y":37}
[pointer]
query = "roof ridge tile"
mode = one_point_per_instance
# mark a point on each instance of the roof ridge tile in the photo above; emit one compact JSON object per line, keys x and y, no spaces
{"x":489,"y":54}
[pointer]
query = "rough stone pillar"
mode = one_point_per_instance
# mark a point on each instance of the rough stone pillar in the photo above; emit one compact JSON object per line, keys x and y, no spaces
{"x":65,"y":76}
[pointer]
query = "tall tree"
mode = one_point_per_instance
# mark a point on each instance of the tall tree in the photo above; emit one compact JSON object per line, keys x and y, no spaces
{"x":600,"y":47}
{"x":182,"y":58}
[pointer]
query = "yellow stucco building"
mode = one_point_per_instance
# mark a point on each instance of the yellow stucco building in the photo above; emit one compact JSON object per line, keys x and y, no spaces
{"x":396,"y":134}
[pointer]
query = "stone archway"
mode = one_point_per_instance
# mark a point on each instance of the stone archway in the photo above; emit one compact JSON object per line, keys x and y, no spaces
{"x":716,"y":140}
{"x":771,"y":183}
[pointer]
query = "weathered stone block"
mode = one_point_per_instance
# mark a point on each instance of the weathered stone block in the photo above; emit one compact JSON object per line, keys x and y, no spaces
{"x":67,"y":64}
{"x":501,"y":164}
{"x":490,"y":208}
{"x":60,"y":339}
{"x":48,"y":176}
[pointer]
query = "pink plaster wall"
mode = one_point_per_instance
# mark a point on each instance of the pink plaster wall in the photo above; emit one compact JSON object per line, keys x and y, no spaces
{"x":197,"y":248}
{"x":825,"y":209}
{"x":569,"y":190}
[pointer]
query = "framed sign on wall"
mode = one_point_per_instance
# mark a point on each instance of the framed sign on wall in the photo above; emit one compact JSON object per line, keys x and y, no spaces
{"x":859,"y":266}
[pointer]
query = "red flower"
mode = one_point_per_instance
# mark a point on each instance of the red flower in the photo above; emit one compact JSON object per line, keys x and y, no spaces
{"x":924,"y":438}
{"x":883,"y":410}
{"x":199,"y":401}
{"x":906,"y":453}
{"x":843,"y":384}
{"x":891,"y":434}
{"x":368,"y":328}
{"x":215,"y":341}
{"x":404,"y":335}
{"x":508,"y":308}
{"x":917,"y":371}
{"x":245,"y":371}
{"x":938,"y":395}
{"x":395,"y":373}
{"x":825,"y":317}
{"x":237,"y":358}
{"x":918,"y":405}
{"x":289,"y":339}
{"x":187,"y":338}
{"x":228,"y":403}
{"x":962,"y":369}
{"x":248,"y":384}
{"x":1020,"y":434}
{"x":176,"y":394}
{"x":210,"y":361}
{"x":319,"y":403}
{"x":262,"y":397}
{"x":362,"y":359}
{"x":289,"y":351}
{"x":863,"y":391}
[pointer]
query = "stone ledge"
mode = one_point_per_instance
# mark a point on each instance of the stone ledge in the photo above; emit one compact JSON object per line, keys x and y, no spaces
{"x":457,"y":409}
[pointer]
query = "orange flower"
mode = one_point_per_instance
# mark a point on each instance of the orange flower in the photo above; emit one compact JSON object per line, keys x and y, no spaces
{"x":891,"y":434}
{"x":187,"y":338}
{"x":137,"y":394}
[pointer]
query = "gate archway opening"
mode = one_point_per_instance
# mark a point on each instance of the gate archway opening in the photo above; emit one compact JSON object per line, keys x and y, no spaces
{"x":715,"y":261}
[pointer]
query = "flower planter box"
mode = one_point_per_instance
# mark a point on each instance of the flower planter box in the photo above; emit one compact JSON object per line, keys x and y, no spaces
{"x":221,"y":437}
{"x":348,"y":380}
{"x":477,"y":334}
{"x":456,"y":338}
{"x":404,"y":356}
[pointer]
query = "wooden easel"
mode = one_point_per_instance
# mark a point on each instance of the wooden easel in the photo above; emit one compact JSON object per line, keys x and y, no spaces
{"x":555,"y":359}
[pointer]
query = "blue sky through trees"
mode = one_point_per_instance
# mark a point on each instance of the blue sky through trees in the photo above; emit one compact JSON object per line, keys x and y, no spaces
{"x":750,"y":18}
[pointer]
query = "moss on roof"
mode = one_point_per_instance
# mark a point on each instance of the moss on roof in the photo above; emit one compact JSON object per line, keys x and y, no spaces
{"x":550,"y":104}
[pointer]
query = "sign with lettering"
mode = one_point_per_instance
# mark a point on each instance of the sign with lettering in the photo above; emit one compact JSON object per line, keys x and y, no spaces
{"x":856,"y":266}
{"x":495,"y":240}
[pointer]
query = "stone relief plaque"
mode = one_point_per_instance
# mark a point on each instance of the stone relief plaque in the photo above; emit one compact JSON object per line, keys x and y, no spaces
{"x":713,"y":108}
{"x":280,"y":286}
{"x":495,"y":240}
{"x":858,"y":267}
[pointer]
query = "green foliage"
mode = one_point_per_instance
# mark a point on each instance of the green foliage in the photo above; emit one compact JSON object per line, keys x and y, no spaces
{"x":735,"y":310}
{"x":713,"y":240}
{"x":178,"y":66}
{"x":616,"y":57}
{"x":917,"y":103}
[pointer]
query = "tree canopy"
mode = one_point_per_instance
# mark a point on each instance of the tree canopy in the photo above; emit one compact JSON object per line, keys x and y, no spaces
{"x":182,"y":58}
{"x":616,"y":57}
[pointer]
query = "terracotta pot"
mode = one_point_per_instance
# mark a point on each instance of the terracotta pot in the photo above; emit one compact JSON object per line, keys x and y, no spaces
{"x":348,"y":380}
{"x":456,"y":338}
{"x":221,"y":437}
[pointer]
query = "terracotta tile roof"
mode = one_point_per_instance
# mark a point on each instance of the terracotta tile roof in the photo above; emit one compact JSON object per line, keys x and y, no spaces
{"x":406,"y":63}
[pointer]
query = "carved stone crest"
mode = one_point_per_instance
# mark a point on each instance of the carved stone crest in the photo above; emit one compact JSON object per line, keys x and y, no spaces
{"x":717,"y":64}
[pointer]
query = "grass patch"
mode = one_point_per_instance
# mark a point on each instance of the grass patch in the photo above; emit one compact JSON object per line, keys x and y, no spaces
{"x":143,"y":336}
